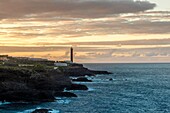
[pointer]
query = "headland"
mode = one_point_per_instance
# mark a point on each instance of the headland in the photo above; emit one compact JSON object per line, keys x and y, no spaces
{"x":35,"y":80}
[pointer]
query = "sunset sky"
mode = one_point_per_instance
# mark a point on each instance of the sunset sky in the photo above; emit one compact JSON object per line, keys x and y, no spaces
{"x":104,"y":31}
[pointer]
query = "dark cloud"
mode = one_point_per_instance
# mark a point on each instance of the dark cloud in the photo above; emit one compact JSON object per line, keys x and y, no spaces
{"x":70,"y":8}
{"x":165,"y":41}
{"x":156,"y":23}
{"x":123,"y":26}
{"x":138,"y":23}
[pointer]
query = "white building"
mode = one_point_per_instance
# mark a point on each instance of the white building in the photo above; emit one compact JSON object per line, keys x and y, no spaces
{"x":59,"y":64}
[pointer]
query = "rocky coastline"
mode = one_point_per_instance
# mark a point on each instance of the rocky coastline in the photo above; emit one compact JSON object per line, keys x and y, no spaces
{"x":42,"y":84}
{"x":27,"y":85}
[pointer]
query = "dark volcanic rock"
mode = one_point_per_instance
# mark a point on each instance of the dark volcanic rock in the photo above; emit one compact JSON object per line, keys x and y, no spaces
{"x":65,"y":94}
{"x":42,"y":111}
{"x":110,"y":79}
{"x":100,"y":72}
{"x":13,"y":86}
{"x":27,"y":96}
{"x":51,"y":80}
{"x":12,"y":74}
{"x":77,"y":71}
{"x":81,"y":79}
{"x":77,"y":87}
{"x":75,"y":64}
{"x":23,"y":85}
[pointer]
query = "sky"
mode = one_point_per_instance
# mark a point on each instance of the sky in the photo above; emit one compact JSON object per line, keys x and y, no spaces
{"x":100,"y":31}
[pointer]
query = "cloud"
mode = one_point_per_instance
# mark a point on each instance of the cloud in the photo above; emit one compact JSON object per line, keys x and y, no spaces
{"x":87,"y":54}
{"x":163,"y":41}
{"x":70,"y":8}
{"x":9,"y":49}
{"x":137,"y":23}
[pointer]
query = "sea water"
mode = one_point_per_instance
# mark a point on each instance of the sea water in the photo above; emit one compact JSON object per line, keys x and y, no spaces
{"x":134,"y":88}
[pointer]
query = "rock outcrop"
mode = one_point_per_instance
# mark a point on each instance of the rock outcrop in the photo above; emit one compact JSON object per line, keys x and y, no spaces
{"x":27,"y":96}
{"x":42,"y":111}
{"x":77,"y":71}
{"x":65,"y":94}
{"x":77,"y":87}
{"x":100,"y":72}
{"x":51,"y":80}
{"x":81,"y":79}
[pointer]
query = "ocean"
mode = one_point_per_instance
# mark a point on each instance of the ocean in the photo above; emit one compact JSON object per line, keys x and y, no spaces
{"x":134,"y":88}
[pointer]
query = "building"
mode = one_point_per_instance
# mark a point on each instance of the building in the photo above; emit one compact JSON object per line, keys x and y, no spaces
{"x":60,"y":64}
{"x":4,"y":57}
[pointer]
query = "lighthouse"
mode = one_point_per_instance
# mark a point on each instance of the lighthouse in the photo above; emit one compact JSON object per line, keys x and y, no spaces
{"x":71,"y":54}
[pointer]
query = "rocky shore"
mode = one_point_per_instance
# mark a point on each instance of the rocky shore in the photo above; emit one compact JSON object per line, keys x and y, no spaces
{"x":41,"y":85}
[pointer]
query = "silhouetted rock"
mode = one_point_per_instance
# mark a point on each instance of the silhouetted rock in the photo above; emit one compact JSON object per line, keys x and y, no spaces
{"x":27,"y":96}
{"x":77,"y":87}
{"x":81,"y":79}
{"x":76,"y":64}
{"x":64,"y":94}
{"x":42,"y":111}
{"x":77,"y":71}
{"x":14,"y":74}
{"x":110,"y":79}
{"x":23,"y":85}
{"x":51,"y":80}
{"x":100,"y":72}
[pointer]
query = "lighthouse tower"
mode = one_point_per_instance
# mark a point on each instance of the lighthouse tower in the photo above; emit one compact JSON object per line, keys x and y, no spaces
{"x":71,"y":54}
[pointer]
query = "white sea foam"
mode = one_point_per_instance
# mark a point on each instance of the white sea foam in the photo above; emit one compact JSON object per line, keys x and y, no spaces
{"x":31,"y":110}
{"x":63,"y":101}
{"x":3,"y":103}
{"x":91,"y":89}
